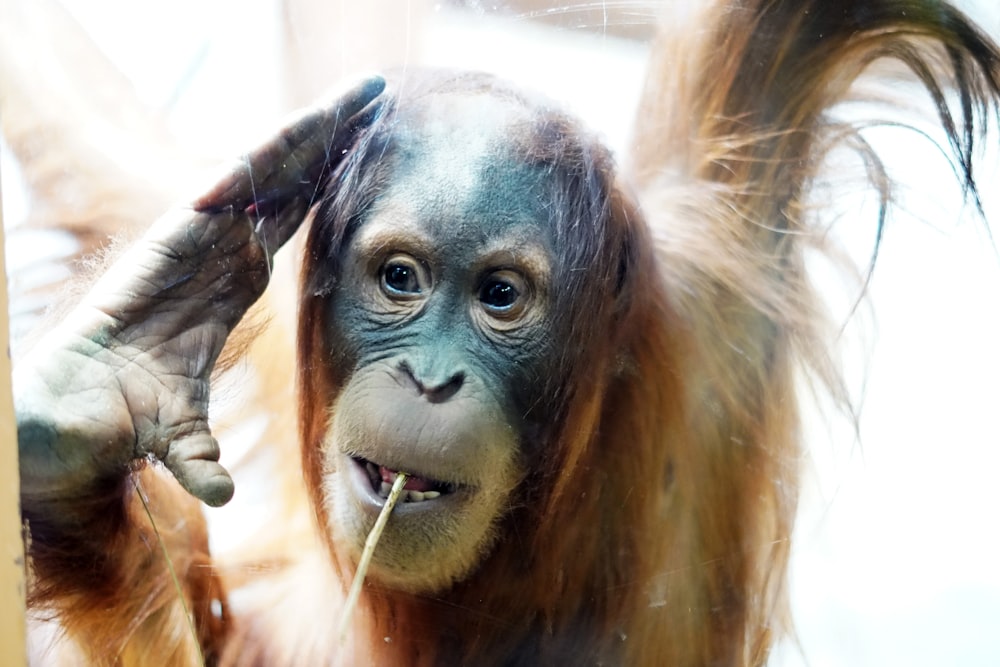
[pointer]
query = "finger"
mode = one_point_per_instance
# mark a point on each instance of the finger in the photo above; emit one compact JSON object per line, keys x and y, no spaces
{"x":298,"y":151}
{"x":324,"y":119}
{"x":297,"y":172}
{"x":275,"y":228}
{"x":194,"y":461}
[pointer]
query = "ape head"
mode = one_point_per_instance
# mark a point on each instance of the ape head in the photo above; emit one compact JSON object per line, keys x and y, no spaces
{"x":462,"y":281}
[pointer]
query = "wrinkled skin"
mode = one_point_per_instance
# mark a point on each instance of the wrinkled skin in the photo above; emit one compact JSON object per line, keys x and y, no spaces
{"x":126,"y":375}
{"x":440,"y":324}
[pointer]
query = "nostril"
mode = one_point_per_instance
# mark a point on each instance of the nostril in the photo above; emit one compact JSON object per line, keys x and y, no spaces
{"x":445,"y":390}
{"x":437,"y":390}
{"x":409,"y":377}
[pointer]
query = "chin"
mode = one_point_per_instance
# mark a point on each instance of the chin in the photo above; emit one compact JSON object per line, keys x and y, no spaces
{"x":429,"y":544}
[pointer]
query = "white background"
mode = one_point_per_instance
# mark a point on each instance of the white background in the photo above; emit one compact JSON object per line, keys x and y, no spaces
{"x":896,"y":555}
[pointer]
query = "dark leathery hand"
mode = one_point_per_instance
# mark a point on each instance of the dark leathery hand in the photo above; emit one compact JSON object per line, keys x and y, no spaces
{"x":126,"y":374}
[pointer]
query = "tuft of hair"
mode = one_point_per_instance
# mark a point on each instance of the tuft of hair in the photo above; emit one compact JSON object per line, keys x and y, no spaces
{"x":734,"y":124}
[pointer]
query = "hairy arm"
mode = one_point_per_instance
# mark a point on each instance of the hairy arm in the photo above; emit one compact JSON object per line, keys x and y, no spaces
{"x":124,"y":378}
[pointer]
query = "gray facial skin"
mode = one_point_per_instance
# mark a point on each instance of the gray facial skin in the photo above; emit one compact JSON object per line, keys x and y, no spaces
{"x":439,"y":319}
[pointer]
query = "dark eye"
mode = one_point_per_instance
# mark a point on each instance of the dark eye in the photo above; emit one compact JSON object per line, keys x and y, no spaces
{"x":403,"y":276}
{"x":498,"y":294}
{"x":502,"y":294}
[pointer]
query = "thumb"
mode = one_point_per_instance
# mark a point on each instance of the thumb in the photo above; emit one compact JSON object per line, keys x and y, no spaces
{"x":194,"y":461}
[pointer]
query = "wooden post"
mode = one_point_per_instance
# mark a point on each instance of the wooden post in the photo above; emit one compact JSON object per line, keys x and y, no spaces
{"x":12,"y":586}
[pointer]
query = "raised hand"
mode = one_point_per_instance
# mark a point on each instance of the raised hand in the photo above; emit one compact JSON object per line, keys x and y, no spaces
{"x":126,"y":374}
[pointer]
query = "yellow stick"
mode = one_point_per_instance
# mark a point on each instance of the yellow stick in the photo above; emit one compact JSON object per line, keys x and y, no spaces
{"x":366,"y":555}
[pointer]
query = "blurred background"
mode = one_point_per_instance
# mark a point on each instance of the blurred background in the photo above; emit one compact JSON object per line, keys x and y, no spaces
{"x":896,"y":558}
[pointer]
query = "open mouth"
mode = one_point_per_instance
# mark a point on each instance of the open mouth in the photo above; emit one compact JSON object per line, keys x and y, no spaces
{"x":416,"y":490}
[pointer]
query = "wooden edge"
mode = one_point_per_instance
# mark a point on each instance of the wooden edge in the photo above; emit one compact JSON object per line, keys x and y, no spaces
{"x":12,"y":573}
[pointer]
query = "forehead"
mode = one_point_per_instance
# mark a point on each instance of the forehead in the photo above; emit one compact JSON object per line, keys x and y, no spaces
{"x":457,"y":169}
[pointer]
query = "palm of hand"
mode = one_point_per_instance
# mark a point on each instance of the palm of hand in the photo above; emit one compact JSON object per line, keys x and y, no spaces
{"x":127,"y":374}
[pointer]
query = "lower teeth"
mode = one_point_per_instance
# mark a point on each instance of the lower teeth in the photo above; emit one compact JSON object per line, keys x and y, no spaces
{"x":408,"y":496}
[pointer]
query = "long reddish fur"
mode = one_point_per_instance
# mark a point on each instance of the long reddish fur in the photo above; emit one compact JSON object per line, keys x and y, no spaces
{"x":661,"y":538}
